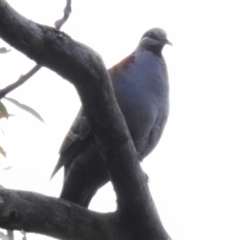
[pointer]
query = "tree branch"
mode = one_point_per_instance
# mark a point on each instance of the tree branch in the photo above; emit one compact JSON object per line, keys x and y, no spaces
{"x":54,"y":217}
{"x":22,"y":79}
{"x":84,"y":68}
{"x":67,"y":11}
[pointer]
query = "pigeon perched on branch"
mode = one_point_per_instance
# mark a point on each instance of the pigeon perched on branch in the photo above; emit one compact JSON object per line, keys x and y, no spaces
{"x":140,"y":83}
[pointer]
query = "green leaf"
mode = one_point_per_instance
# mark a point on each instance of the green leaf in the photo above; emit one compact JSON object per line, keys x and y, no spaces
{"x":3,"y":111}
{"x":2,"y":151}
{"x":4,"y":50}
{"x":7,"y":168}
{"x":25,"y":108}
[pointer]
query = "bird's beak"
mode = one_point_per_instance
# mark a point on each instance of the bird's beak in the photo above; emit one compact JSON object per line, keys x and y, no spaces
{"x":168,"y":42}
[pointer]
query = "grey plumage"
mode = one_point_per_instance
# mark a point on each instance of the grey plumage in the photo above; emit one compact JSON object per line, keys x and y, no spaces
{"x":140,"y":83}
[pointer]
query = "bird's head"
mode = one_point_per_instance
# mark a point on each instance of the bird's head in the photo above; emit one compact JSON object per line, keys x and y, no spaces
{"x":154,"y":40}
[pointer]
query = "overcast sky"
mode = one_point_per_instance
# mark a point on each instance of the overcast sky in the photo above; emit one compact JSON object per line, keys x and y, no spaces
{"x":194,"y":171}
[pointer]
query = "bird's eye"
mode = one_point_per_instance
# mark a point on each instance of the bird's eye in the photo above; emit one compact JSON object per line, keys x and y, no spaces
{"x":150,"y":35}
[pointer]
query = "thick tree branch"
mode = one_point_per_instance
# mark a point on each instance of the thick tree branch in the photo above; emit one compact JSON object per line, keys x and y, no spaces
{"x":22,"y":79}
{"x":54,"y":217}
{"x":85,"y":69}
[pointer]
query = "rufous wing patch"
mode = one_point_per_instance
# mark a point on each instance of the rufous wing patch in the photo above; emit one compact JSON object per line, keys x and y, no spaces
{"x":124,"y":64}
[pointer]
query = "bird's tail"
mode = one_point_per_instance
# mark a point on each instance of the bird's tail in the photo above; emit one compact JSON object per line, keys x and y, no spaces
{"x":57,"y":167}
{"x":81,"y":185}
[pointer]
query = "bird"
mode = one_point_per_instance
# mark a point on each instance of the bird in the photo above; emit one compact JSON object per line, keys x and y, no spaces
{"x":141,"y":86}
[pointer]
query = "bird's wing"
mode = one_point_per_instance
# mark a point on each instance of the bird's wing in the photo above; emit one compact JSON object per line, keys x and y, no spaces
{"x":79,"y":130}
{"x":79,"y":134}
{"x":124,"y":64}
{"x":75,"y":140}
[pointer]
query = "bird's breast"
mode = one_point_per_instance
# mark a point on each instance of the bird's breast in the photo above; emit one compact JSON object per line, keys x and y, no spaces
{"x":142,"y":94}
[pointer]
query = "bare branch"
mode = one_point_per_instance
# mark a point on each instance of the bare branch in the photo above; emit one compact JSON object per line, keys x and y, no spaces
{"x":22,"y":79}
{"x":53,"y":217}
{"x":67,"y":11}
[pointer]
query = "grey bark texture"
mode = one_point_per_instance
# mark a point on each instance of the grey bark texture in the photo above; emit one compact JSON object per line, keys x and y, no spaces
{"x":136,"y":216}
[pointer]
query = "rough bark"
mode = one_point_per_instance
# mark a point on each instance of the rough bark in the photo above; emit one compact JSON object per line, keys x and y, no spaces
{"x":136,"y":216}
{"x":54,"y":217}
{"x":23,"y":78}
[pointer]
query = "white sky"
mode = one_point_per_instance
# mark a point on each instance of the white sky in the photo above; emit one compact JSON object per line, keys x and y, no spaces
{"x":194,"y":172}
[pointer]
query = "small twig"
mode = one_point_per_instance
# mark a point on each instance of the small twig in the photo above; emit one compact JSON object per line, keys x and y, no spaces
{"x":10,"y":234}
{"x":22,"y":79}
{"x":67,"y":11}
